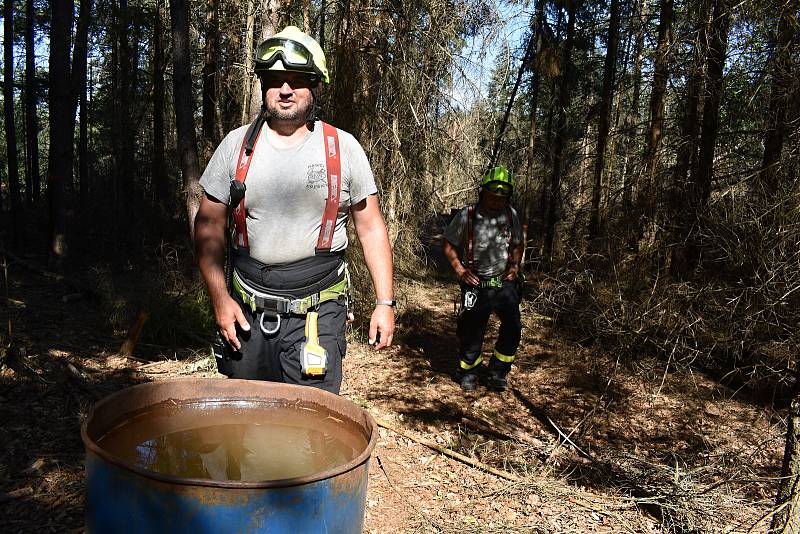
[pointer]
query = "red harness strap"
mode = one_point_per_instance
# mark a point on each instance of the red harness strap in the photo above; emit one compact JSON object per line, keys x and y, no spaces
{"x":469,"y":255}
{"x":334,"y":168}
{"x":332,"y":163}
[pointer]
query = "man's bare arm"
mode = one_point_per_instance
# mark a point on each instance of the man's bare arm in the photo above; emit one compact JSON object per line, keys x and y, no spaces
{"x":209,"y":239}
{"x":464,"y":274}
{"x":371,"y":231}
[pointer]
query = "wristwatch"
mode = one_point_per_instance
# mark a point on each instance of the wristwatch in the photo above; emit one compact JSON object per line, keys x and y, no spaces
{"x":380,"y":302}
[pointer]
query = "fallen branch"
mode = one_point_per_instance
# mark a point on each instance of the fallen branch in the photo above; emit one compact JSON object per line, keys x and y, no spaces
{"x":126,"y":350}
{"x":81,"y":380}
{"x":448,"y":452}
{"x":501,"y":430}
{"x":16,"y":494}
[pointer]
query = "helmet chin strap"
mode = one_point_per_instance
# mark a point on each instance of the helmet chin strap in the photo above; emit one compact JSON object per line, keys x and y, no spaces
{"x":313,"y":111}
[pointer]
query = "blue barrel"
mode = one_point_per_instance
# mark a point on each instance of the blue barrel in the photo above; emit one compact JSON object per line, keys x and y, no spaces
{"x":123,"y":497}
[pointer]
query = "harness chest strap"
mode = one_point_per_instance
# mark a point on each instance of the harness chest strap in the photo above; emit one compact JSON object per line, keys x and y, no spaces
{"x":333,"y":166}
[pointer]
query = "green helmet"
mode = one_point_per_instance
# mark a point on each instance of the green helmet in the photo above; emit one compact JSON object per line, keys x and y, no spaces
{"x":499,"y":180}
{"x":292,"y":50}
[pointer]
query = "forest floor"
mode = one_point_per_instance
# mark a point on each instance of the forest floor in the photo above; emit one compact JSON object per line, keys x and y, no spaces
{"x":596,"y":444}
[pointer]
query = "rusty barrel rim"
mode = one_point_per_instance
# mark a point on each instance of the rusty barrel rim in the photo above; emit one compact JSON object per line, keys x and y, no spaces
{"x":210,"y":390}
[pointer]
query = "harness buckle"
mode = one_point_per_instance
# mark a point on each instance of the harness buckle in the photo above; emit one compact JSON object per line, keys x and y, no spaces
{"x":300,"y":306}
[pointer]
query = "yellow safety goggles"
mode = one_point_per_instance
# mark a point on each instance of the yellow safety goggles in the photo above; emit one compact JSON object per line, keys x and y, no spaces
{"x":498,"y":188}
{"x":292,"y":54}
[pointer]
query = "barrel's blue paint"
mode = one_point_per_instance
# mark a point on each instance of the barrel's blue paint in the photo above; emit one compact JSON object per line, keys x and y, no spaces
{"x":118,"y":500}
{"x":121,"y":498}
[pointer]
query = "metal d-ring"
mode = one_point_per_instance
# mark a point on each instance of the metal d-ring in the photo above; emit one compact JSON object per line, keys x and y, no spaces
{"x":266,"y":330}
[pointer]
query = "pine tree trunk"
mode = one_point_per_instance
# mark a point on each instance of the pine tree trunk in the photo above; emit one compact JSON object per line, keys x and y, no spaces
{"x":632,"y":114}
{"x":184,"y":108}
{"x":680,"y":220}
{"x":128,"y":64}
{"x":652,"y":161}
{"x":700,"y":191}
{"x":83,"y":146}
{"x":78,"y":81}
{"x":61,"y":127}
{"x":564,"y":97}
{"x":787,"y":518}
{"x":605,"y":116}
{"x":32,"y":181}
{"x":779,"y":100}
{"x":247,"y":59}
{"x":270,"y":20}
{"x":11,"y":135}
{"x":715,"y":61}
{"x":534,"y":103}
{"x":210,"y":68}
{"x":159,"y":171}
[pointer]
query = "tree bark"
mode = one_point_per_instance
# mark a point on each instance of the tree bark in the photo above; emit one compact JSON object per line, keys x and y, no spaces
{"x":247,"y":58}
{"x":126,"y":129}
{"x":272,"y":14}
{"x":83,"y":146}
{"x":211,"y":137}
{"x":184,"y":109}
{"x":605,"y":115}
{"x":631,"y":121}
{"x":534,"y":100}
{"x":78,"y":84}
{"x":715,"y":61}
{"x":11,"y":132}
{"x":61,"y":127}
{"x":700,"y":191}
{"x":159,"y":171}
{"x":779,"y":100}
{"x":680,"y":220}
{"x":32,"y":181}
{"x":652,"y":161}
{"x":564,"y":97}
{"x":787,"y":517}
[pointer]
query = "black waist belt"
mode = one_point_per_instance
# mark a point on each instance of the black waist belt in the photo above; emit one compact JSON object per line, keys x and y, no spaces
{"x":297,"y":279}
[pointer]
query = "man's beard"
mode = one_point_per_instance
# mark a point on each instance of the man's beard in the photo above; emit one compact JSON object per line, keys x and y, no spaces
{"x":297,"y":114}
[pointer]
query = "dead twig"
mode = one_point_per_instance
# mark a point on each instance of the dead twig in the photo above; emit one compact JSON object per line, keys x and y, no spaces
{"x":448,"y":452}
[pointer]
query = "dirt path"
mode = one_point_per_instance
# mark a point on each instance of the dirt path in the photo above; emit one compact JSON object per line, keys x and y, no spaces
{"x":598,"y":445}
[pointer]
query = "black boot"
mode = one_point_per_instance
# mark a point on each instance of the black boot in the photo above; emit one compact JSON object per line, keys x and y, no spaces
{"x":469,"y":382}
{"x":497,"y":382}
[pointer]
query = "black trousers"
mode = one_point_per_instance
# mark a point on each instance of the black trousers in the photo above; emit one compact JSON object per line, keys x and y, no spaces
{"x":472,"y":327}
{"x":276,"y":357}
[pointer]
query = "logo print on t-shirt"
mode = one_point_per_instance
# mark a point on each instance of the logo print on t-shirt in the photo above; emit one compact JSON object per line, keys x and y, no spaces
{"x":315,"y":176}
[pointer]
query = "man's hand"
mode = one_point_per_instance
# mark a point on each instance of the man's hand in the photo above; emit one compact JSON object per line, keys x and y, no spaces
{"x":381,"y":326}
{"x":468,"y":277}
{"x":228,"y":314}
{"x":511,"y":272}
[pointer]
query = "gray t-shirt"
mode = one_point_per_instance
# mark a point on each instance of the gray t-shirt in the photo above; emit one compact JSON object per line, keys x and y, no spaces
{"x":490,"y":239}
{"x":286,"y":191}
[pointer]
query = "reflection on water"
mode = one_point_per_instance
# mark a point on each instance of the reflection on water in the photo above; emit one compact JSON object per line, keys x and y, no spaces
{"x":229,"y":441}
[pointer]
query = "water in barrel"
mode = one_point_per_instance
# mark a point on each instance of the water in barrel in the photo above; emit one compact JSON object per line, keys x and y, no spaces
{"x":235,"y":440}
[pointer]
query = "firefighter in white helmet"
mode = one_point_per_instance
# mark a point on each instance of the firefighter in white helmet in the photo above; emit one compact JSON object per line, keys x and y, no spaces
{"x":289,"y":183}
